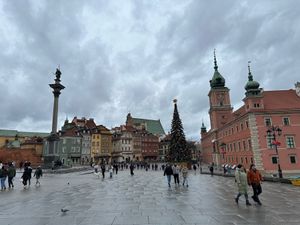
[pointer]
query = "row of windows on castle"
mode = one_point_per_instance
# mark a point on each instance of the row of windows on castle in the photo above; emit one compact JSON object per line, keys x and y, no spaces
{"x":274,"y":159}
{"x":245,"y":125}
{"x":237,"y":146}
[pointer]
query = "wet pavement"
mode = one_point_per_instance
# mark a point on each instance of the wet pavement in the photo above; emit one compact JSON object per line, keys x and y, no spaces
{"x":144,"y":199}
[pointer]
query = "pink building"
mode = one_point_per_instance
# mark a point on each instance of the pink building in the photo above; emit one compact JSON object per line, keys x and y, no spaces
{"x":240,"y":136}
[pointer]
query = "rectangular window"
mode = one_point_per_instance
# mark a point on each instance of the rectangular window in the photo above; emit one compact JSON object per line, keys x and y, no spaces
{"x":286,"y":121}
{"x":249,"y":143}
{"x":292,"y":159}
{"x":247,"y":124}
{"x":268,"y":122}
{"x":234,"y":146}
{"x":244,"y":145}
{"x":242,"y":126}
{"x":237,"y":128}
{"x":290,"y":143}
{"x":239,"y":144}
{"x":269,"y":142}
{"x":274,"y":159}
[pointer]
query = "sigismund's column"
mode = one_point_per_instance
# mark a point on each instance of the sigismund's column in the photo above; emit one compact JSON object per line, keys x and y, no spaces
{"x":52,"y":143}
{"x":57,"y":87}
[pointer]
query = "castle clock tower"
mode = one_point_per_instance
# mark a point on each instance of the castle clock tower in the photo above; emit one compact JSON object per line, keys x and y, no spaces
{"x":220,"y":107}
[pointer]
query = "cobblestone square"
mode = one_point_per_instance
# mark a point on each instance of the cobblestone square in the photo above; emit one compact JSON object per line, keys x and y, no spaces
{"x":144,"y":199}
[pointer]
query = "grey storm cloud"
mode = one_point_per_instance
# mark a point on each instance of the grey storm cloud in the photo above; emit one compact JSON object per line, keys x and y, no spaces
{"x":137,"y":56}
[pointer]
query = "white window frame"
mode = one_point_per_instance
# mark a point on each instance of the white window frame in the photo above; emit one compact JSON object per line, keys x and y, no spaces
{"x":276,"y":160}
{"x":286,"y":142}
{"x":265,"y":120}
{"x":269,"y":141}
{"x":288,"y":119}
{"x":294,"y":157}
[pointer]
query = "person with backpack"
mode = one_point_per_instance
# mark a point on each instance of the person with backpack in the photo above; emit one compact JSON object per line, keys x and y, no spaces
{"x":11,"y":173}
{"x":38,"y":174}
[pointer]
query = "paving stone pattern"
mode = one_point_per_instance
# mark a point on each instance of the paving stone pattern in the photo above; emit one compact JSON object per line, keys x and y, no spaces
{"x":144,"y":199}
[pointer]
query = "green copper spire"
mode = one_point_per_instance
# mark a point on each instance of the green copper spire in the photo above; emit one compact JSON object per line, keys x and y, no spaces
{"x":203,"y":128}
{"x":215,"y":61}
{"x":252,"y":86}
{"x":217,"y":80}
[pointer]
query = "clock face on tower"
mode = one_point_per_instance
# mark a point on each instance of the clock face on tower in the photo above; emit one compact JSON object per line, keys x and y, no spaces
{"x":220,"y":98}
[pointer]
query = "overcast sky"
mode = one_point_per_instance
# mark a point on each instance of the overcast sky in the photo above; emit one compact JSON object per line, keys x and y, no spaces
{"x":137,"y":56}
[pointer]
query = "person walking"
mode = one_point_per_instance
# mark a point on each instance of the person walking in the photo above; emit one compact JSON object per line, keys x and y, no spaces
{"x":169,"y":172}
{"x":184,"y":173}
{"x":241,"y":181}
{"x":103,"y":170}
{"x":195,"y":168}
{"x":110,"y":171}
{"x":211,"y":169}
{"x":29,"y":173}
{"x":255,"y":179}
{"x":3,"y":175}
{"x":25,"y":176}
{"x":131,"y":169}
{"x":176,"y":174}
{"x":117,"y":168}
{"x":11,"y":173}
{"x":38,"y":174}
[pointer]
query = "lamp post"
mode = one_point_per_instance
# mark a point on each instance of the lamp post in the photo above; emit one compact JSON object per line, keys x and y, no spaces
{"x":273,"y":131}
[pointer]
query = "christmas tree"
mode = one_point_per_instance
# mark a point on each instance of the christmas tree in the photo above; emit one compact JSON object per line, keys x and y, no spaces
{"x":178,"y":151}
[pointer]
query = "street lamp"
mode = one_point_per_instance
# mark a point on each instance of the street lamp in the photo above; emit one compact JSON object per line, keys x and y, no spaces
{"x":272,"y":132}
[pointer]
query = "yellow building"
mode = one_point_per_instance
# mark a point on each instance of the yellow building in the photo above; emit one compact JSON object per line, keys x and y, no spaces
{"x":101,"y":144}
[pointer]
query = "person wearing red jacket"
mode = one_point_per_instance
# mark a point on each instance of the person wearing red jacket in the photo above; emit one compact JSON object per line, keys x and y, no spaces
{"x":255,"y":179}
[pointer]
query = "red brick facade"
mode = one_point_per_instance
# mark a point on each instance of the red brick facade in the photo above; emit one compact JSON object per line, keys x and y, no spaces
{"x":240,"y":136}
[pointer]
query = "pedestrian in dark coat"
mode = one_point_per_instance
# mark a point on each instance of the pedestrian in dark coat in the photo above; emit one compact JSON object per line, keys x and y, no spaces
{"x":211,"y":169}
{"x":169,"y":172}
{"x":11,"y":174}
{"x":38,"y":174}
{"x":25,"y":176}
{"x":103,"y":170}
{"x":131,"y":169}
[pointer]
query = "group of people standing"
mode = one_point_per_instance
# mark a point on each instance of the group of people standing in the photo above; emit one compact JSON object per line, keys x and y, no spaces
{"x":175,"y":170}
{"x":244,"y":179}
